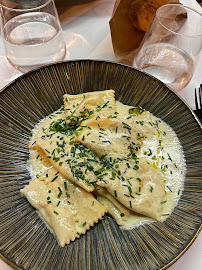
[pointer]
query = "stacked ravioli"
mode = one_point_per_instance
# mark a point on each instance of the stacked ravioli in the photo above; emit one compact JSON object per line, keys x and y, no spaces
{"x":88,"y":155}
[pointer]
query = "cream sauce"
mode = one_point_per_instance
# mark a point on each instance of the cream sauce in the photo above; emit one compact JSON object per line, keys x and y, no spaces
{"x":165,"y":153}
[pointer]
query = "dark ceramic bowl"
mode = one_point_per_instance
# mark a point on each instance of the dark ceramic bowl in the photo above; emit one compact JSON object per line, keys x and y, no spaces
{"x":25,"y":242}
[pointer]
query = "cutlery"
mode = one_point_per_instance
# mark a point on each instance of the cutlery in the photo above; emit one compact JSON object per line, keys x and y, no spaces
{"x":198,"y":102}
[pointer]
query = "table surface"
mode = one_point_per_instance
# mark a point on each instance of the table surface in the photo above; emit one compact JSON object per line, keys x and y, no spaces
{"x":85,"y":25}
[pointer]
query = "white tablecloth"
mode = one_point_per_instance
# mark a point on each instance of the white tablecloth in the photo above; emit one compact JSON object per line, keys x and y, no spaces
{"x":87,"y":35}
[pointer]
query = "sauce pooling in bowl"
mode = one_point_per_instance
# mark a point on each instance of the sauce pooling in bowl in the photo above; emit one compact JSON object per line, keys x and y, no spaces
{"x":95,"y":156}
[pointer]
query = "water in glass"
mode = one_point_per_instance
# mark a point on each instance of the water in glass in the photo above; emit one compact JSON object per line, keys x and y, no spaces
{"x":168,"y":63}
{"x":32,"y":40}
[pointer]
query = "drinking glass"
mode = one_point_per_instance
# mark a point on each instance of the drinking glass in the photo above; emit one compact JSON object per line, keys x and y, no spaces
{"x":31,"y":33}
{"x":171,"y":46}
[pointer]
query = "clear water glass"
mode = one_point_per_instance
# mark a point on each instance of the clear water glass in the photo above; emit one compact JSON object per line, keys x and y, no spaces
{"x":32,"y":33}
{"x":171,"y":46}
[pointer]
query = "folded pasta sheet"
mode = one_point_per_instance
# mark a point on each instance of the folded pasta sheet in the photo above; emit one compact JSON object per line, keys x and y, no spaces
{"x":110,"y":136}
{"x":89,"y":106}
{"x":138,"y":186}
{"x":73,"y":161}
{"x":67,"y":209}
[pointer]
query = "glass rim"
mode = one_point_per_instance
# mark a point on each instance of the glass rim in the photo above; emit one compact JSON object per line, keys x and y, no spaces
{"x":26,"y":9}
{"x":172,"y":31}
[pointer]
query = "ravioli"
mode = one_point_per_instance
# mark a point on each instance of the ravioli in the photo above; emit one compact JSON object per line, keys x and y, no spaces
{"x":138,"y":186}
{"x":104,"y":136}
{"x":67,"y":209}
{"x":69,"y":159}
{"x":89,"y":106}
